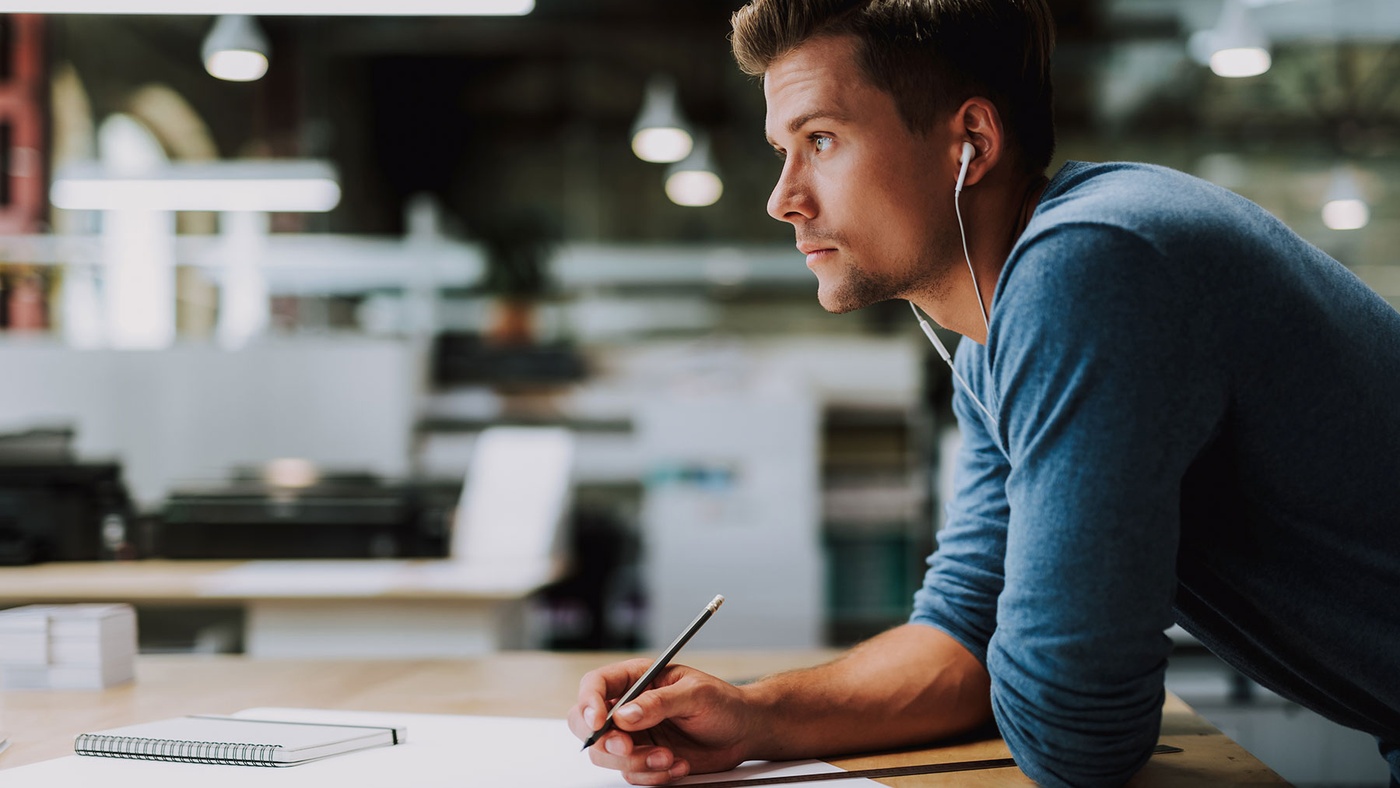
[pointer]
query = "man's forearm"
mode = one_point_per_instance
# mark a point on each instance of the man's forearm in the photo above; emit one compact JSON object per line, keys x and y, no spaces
{"x":909,"y":685}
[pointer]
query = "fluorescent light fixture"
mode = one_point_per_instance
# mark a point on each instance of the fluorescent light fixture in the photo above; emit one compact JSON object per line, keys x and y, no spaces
{"x":1344,"y":207}
{"x":694,"y":181}
{"x":660,"y":134}
{"x":1238,"y":48}
{"x":235,"y":49}
{"x":274,"y":7}
{"x":297,"y":186}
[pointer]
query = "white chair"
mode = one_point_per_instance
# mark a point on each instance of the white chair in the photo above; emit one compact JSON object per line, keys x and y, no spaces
{"x":515,"y":497}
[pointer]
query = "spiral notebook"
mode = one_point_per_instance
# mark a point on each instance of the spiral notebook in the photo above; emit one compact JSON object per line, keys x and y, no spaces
{"x":235,"y":741}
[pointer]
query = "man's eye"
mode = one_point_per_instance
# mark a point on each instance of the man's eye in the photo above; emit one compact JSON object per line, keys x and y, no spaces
{"x":821,"y":143}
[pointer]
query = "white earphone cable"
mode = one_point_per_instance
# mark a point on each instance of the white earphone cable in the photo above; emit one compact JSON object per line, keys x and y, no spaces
{"x":977,"y":288}
{"x":948,"y":359}
{"x":968,"y":153}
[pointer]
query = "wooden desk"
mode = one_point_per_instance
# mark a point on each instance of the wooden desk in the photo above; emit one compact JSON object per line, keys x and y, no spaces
{"x":42,"y":724}
{"x":308,"y":609}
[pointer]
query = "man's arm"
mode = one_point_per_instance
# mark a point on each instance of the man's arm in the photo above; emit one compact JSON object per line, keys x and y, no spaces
{"x":909,"y":685}
{"x":1113,"y":384}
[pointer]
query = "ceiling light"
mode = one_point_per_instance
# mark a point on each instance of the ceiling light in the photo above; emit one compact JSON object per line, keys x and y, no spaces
{"x":309,"y":186}
{"x":694,"y":182}
{"x":235,"y":49}
{"x":660,"y":133}
{"x":275,"y":7}
{"x":1345,"y":207}
{"x":1238,"y":48}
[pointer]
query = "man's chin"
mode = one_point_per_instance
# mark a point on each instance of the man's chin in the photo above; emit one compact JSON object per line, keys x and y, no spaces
{"x":837,"y":302}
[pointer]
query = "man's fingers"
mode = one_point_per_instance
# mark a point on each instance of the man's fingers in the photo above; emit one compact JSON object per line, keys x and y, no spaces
{"x":579,"y":725}
{"x":657,"y":705}
{"x":594,"y":691}
{"x":613,"y":679}
{"x":639,"y":764}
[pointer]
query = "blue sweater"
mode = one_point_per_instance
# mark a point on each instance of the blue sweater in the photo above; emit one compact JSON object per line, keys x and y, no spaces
{"x":1198,"y":421}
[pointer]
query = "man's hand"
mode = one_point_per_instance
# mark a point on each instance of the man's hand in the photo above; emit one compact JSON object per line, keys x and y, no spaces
{"x":911,"y":685}
{"x":687,"y":722}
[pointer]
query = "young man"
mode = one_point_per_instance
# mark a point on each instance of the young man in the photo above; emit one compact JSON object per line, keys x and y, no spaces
{"x":1173,"y":409}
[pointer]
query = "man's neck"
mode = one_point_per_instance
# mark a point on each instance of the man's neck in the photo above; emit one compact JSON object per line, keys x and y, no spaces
{"x":994,"y":217}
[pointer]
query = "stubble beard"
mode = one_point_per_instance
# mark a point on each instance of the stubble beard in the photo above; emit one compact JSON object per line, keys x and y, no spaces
{"x":860,"y":287}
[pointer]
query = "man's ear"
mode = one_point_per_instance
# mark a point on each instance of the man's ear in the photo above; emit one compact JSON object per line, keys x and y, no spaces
{"x":978,"y":122}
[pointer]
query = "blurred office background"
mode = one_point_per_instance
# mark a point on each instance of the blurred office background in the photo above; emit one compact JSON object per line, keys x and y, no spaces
{"x":273,"y":315}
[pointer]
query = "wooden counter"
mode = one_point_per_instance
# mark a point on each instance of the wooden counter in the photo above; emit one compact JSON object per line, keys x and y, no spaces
{"x":41,"y":725}
{"x":327,"y":608}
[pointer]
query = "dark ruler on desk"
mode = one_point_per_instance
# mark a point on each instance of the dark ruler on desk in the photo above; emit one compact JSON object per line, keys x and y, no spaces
{"x":891,"y":771}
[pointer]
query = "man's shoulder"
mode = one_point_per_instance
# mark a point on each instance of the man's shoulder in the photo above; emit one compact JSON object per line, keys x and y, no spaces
{"x":1111,"y":240}
{"x":1093,"y":216}
{"x":1142,"y":199}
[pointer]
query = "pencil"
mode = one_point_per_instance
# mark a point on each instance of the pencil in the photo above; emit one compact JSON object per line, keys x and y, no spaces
{"x":656,"y":667}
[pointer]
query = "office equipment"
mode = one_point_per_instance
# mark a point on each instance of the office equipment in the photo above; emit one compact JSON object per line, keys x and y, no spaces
{"x":335,"y":516}
{"x":52,"y":444}
{"x":54,"y":510}
{"x":460,"y":358}
{"x":236,"y":741}
{"x":659,"y":665}
{"x":66,"y":647}
{"x":732,"y":481}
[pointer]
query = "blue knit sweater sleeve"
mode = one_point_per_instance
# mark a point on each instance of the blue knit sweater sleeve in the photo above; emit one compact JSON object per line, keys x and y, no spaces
{"x":1057,"y":565}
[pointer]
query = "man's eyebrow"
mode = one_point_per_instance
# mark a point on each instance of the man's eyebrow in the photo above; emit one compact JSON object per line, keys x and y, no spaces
{"x":805,"y":118}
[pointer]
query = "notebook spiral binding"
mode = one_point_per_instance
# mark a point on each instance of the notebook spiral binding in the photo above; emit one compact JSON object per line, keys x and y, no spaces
{"x":220,"y":753}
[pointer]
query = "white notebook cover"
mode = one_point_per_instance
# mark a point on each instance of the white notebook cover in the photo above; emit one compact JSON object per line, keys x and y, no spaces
{"x":235,"y":740}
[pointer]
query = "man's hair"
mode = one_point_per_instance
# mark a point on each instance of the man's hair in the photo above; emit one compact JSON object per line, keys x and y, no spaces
{"x":930,"y":55}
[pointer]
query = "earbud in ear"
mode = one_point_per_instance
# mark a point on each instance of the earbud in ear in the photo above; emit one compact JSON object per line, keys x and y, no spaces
{"x":967,"y":153}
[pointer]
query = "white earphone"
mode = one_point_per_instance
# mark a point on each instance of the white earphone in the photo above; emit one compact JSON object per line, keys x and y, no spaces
{"x":968,"y":153}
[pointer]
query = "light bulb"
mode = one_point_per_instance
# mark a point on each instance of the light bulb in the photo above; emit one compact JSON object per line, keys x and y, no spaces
{"x":1352,"y":214}
{"x":1240,"y":62}
{"x":237,"y":65}
{"x":660,"y":133}
{"x":694,"y":188}
{"x":662,"y":145}
{"x":235,"y":49}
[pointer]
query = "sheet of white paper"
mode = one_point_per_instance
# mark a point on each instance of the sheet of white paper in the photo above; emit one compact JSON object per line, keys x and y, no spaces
{"x":442,"y":751}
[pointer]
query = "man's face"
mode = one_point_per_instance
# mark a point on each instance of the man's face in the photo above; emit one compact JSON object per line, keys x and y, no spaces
{"x":868,"y":198}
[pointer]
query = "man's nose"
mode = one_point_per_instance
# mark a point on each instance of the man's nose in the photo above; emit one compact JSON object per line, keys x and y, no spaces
{"x":791,"y":200}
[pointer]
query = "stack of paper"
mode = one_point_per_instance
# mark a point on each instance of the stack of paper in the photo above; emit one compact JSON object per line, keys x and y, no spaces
{"x":67,"y":646}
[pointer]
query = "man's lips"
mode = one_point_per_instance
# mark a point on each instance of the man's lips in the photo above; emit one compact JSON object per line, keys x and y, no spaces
{"x":814,"y":252}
